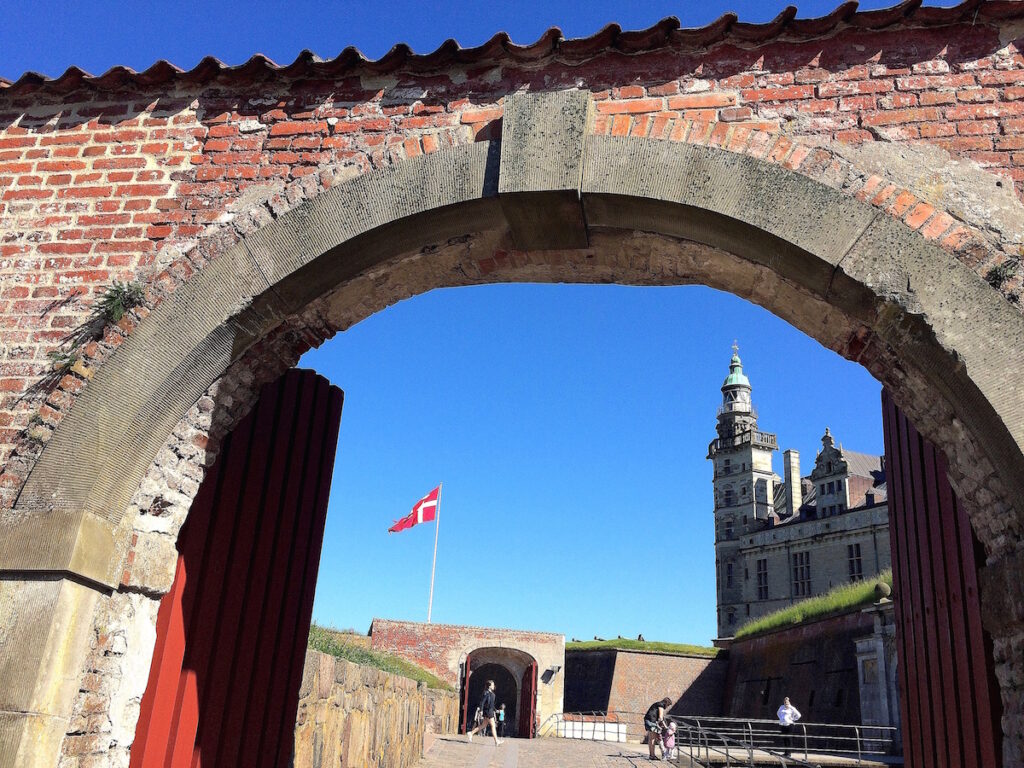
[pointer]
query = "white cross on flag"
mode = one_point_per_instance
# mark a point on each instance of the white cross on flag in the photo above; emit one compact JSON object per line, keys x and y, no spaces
{"x":423,"y":511}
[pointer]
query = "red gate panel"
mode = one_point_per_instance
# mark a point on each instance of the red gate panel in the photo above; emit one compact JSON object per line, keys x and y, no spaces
{"x":949,"y":697}
{"x":528,"y":702}
{"x":231,"y":634}
{"x":465,"y":697}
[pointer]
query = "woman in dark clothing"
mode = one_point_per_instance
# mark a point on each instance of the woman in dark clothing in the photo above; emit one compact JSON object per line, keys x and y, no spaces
{"x":654,"y":720}
{"x":487,"y":707}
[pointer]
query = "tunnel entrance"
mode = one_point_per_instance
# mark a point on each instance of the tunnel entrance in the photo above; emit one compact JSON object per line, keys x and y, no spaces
{"x":515,"y":685}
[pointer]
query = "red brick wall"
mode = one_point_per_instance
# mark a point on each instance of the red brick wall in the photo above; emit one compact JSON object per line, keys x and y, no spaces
{"x":438,"y":647}
{"x":694,"y":683}
{"x":147,"y":182}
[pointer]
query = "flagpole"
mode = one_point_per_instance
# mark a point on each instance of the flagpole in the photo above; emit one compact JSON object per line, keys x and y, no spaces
{"x":437,"y":524}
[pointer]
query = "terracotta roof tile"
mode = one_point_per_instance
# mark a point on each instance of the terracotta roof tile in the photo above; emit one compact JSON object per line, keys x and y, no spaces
{"x":665,"y":33}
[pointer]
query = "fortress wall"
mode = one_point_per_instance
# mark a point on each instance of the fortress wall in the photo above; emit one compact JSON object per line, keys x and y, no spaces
{"x":442,"y":650}
{"x":632,"y":680}
{"x":815,"y":664}
{"x":352,"y":716}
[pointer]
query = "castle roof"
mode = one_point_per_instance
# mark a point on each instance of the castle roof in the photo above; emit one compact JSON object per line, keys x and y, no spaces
{"x":863,"y":464}
{"x":736,"y":377}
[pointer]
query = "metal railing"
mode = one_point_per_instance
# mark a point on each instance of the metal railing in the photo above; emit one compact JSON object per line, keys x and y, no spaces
{"x":699,"y":744}
{"x":855,"y":742}
{"x":726,"y":741}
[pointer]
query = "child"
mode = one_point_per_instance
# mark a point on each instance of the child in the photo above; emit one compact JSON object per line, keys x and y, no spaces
{"x":668,"y":741}
{"x":501,"y":721}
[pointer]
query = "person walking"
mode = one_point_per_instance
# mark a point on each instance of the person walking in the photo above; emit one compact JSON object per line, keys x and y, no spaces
{"x":487,"y":709}
{"x":654,"y":721}
{"x":788,"y":715}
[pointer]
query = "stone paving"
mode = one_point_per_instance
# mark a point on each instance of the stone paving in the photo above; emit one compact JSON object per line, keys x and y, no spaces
{"x":456,"y":752}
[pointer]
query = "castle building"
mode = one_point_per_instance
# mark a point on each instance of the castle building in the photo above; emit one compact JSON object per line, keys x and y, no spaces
{"x":782,"y":540}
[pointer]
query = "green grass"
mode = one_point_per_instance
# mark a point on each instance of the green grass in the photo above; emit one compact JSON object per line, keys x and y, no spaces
{"x":353,"y":648}
{"x":841,"y":599}
{"x":641,"y":645}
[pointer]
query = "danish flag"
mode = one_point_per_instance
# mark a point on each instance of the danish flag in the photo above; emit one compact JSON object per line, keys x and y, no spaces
{"x":423,"y":511}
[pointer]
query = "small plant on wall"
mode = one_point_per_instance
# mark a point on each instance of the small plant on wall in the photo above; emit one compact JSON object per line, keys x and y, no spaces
{"x":62,"y":359}
{"x":118,"y":299}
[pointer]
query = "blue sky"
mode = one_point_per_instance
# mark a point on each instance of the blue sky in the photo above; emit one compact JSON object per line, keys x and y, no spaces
{"x":569,"y":424}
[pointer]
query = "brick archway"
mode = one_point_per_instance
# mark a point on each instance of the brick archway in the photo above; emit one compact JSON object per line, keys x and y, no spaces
{"x":550,"y":202}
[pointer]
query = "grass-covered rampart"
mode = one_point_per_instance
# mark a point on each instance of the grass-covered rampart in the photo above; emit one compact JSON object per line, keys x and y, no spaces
{"x":841,"y":599}
{"x":679,"y":649}
{"x":354,"y":648}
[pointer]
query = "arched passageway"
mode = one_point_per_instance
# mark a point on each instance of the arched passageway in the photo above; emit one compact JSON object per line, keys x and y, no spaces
{"x":514,"y":673}
{"x":506,"y":690}
{"x":549,"y":202}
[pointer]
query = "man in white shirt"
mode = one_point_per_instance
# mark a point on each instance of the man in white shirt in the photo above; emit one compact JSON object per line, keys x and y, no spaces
{"x":788,"y":714}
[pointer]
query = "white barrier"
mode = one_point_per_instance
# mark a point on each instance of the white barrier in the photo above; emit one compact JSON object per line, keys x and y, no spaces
{"x":591,"y":730}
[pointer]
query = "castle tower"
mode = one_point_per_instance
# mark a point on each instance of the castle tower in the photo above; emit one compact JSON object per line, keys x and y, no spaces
{"x":744,"y":489}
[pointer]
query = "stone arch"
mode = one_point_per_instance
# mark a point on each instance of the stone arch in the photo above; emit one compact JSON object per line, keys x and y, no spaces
{"x":548,"y":202}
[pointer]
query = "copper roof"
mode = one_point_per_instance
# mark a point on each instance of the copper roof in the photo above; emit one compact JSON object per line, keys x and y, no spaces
{"x":666,"y":33}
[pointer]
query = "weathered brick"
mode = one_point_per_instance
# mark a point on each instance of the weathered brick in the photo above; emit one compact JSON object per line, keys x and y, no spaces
{"x":634,"y":106}
{"x":702,"y":100}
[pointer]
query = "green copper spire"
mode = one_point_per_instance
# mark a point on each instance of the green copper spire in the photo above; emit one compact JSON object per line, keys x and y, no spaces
{"x":736,"y":376}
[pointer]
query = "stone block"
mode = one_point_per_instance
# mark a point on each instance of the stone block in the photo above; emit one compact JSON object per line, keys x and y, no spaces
{"x":542,"y":143}
{"x":1002,"y":599}
{"x":760,"y":212}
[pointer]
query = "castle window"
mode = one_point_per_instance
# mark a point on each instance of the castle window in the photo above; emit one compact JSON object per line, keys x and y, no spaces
{"x":728,"y":574}
{"x":762,"y":579}
{"x":726,"y":468}
{"x":728,"y":531}
{"x":802,"y":574}
{"x":831,"y":487}
{"x":830,"y":466}
{"x":822,"y":489}
{"x":729,"y":499}
{"x":856,"y":564}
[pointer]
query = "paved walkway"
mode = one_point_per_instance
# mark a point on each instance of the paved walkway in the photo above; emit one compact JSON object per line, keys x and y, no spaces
{"x":456,"y":752}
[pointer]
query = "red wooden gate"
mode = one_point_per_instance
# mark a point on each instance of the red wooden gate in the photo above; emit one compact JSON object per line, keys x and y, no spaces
{"x":465,"y":697}
{"x":528,"y":702}
{"x":231,"y":633}
{"x":949,"y":700}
